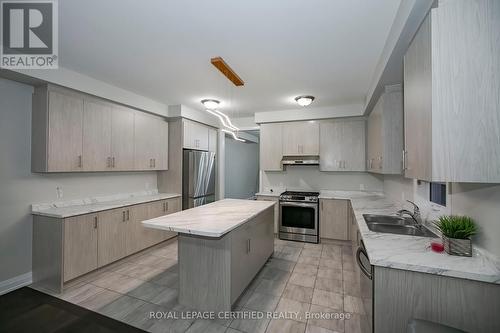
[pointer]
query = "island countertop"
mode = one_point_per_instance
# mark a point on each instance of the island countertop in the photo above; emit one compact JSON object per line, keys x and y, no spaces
{"x":213,"y":220}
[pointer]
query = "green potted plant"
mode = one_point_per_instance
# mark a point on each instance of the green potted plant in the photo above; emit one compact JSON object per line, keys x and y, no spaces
{"x":456,"y":232}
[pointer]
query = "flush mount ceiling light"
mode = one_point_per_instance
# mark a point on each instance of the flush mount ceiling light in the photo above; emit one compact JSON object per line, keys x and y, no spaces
{"x":304,"y":100}
{"x":210,"y":104}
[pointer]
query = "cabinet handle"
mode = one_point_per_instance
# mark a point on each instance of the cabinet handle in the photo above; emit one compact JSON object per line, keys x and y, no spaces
{"x":113,"y":162}
{"x":166,"y":206}
{"x":128,"y":215}
{"x":404,"y":160}
{"x":80,"y":162}
{"x":123,"y":216}
{"x":248,"y":245}
{"x":108,"y":162}
{"x":154,"y":162}
{"x":95,"y":222}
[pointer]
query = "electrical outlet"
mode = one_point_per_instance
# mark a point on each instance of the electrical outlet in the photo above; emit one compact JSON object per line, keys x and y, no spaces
{"x":361,"y":187}
{"x":59,"y":192}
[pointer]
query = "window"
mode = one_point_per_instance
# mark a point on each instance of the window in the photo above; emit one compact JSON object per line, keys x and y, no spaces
{"x":438,"y":193}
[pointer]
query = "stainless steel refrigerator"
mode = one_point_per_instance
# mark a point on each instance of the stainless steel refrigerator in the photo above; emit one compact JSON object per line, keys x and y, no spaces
{"x":198,"y":178}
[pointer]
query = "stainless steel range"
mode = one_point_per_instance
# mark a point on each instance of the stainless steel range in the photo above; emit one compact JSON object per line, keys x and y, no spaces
{"x":299,"y":216}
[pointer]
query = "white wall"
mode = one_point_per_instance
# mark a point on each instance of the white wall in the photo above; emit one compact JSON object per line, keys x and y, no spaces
{"x":241,"y":169}
{"x":310,"y":178}
{"x":20,"y":188}
{"x":479,"y":201}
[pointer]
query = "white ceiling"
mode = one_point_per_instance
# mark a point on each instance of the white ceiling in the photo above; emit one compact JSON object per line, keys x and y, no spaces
{"x":281,"y":48}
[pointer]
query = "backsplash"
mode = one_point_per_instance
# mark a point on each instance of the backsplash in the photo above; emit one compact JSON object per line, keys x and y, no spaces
{"x":310,"y":178}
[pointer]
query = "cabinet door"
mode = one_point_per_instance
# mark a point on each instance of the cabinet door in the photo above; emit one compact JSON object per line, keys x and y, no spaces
{"x":330,"y":155}
{"x":353,"y":145}
{"x":96,"y":136}
{"x":195,"y":135}
{"x":271,"y":148}
{"x":145,"y":142}
{"x":276,"y":210}
{"x":139,"y":237}
{"x":80,"y":245}
{"x":161,"y":148}
{"x":112,"y":235}
{"x":122,"y":133}
{"x":301,"y":138}
{"x":174,"y":205}
{"x":418,"y":104}
{"x":65,"y":147}
{"x":334,"y":222}
{"x":375,"y":150}
{"x":212,"y":140}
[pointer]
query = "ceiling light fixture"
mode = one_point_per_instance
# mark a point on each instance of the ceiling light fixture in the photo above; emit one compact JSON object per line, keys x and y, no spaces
{"x":210,"y":104}
{"x":304,"y":100}
{"x":233,"y":134}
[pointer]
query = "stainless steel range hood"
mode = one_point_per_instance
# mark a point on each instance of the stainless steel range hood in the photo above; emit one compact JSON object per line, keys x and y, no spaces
{"x":300,"y":160}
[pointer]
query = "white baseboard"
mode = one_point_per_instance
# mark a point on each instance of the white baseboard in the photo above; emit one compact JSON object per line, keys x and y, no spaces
{"x":15,"y":283}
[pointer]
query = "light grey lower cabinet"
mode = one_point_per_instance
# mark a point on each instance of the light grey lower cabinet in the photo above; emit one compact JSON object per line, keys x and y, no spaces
{"x":276,"y":209}
{"x":64,"y":249}
{"x":400,"y":295}
{"x":213,"y":272}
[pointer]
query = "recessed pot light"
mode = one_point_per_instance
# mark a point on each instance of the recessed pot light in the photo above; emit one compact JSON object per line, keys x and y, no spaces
{"x":210,"y":104}
{"x":304,"y":100}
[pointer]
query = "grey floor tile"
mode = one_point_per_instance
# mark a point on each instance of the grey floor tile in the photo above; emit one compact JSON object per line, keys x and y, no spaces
{"x":244,"y":297}
{"x":302,"y":280}
{"x":262,"y":302}
{"x":316,"y":329}
{"x":123,"y":284}
{"x":81,"y":293}
{"x":308,"y":260}
{"x":331,"y":273}
{"x":330,"y":263}
{"x":329,"y":285}
{"x":166,"y":279}
{"x":285,"y":326}
{"x":168,"y":297}
{"x":298,"y":293}
{"x":293,"y":306}
{"x":328,"y":299}
{"x":205,"y":326}
{"x":355,"y":322}
{"x":141,"y":318}
{"x":311,"y":253}
{"x":351,"y":287}
{"x":140,"y":271}
{"x":306,"y":269}
{"x":248,"y":325}
{"x":271,"y":287}
{"x":311,"y":246}
{"x":353,"y":304}
{"x":331,"y":251}
{"x":284,"y":265}
{"x":121,"y":307}
{"x":331,"y":322}
{"x":146,"y":291}
{"x":275,"y":274}
{"x":170,"y":326}
{"x":99,"y":300}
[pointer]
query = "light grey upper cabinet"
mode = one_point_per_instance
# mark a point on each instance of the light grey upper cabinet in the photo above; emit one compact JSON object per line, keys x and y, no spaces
{"x":451,"y":82}
{"x":271,"y":147}
{"x":97,"y":117}
{"x":342,"y":145}
{"x":151,"y":142}
{"x":57,"y":131}
{"x":122,"y":138}
{"x":75,"y":132}
{"x":301,"y":138}
{"x":195,"y":135}
{"x":385,"y":133}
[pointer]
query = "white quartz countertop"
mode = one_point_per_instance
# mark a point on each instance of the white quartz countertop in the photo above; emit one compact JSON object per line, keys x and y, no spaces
{"x":212,"y":220}
{"x":71,"y":208}
{"x":410,"y":252}
{"x":269,"y":194}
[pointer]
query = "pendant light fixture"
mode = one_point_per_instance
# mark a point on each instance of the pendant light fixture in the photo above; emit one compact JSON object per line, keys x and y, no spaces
{"x":304,"y":100}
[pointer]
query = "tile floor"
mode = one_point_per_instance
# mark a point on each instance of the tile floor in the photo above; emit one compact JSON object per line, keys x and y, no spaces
{"x":298,"y":278}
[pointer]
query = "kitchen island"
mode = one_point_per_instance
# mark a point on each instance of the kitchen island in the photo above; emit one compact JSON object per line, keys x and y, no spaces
{"x":222,"y":246}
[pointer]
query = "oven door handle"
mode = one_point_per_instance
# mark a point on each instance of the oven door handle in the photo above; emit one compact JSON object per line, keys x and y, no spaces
{"x":298,"y":204}
{"x":368,"y":273}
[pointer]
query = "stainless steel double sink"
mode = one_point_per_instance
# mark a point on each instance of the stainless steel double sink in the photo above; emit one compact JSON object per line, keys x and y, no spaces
{"x":396,"y":225}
